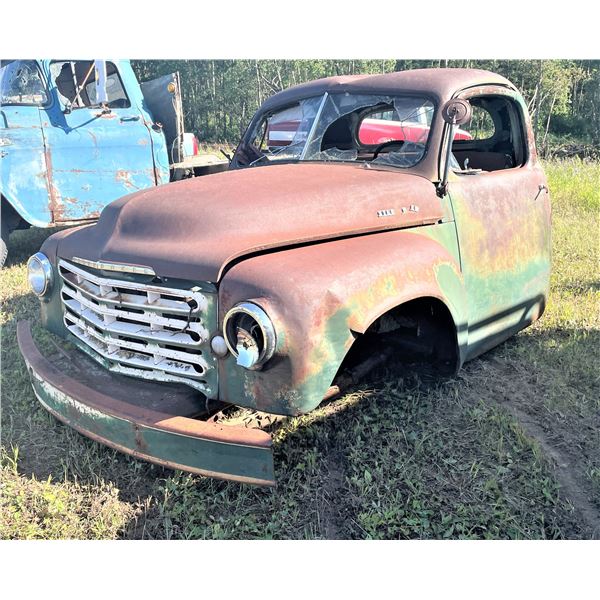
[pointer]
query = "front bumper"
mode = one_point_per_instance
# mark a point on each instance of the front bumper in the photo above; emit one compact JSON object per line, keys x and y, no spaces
{"x":148,"y":420}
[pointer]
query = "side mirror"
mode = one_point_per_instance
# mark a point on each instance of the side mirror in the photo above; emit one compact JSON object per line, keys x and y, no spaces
{"x":455,"y":112}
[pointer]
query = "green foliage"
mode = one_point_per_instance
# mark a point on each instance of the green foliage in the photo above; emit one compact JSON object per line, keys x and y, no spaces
{"x":575,"y":183}
{"x":220,"y":96}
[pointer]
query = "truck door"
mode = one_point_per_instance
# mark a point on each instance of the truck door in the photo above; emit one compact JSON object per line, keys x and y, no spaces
{"x":96,"y":155}
{"x":24,"y":181}
{"x":502,"y":212}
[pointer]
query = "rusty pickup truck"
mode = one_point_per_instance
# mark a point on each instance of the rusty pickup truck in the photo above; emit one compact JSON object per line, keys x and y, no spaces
{"x":270,"y":286}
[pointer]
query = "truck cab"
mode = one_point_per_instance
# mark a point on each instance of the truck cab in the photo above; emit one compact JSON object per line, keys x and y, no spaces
{"x":73,"y":140}
{"x":271,"y":287}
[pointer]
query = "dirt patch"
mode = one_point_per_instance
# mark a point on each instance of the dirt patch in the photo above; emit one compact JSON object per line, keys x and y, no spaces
{"x":574,"y":488}
{"x":329,"y":517}
{"x":554,"y":441}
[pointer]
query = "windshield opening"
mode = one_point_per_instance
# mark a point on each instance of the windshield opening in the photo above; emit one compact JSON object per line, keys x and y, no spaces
{"x":378,"y":129}
{"x":21,"y":83}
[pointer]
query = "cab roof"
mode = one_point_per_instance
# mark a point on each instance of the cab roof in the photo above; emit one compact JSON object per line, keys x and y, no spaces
{"x":442,"y":83}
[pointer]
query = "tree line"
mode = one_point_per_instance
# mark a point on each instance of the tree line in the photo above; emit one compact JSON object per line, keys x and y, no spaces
{"x":220,"y":96}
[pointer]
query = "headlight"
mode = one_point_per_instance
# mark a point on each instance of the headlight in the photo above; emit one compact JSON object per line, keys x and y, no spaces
{"x":39,"y":273}
{"x":250,"y":335}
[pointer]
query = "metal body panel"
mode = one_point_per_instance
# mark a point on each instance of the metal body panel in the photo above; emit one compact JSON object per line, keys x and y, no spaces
{"x":504,"y":234}
{"x":94,"y":157}
{"x":503,"y":222}
{"x":320,"y":296}
{"x":63,"y":168}
{"x":77,"y":397}
{"x":24,"y":178}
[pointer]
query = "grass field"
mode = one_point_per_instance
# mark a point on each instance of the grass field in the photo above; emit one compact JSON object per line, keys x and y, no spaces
{"x":510,"y":448}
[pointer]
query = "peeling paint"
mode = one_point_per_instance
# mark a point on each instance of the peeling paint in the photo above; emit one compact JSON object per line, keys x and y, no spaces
{"x":55,"y":200}
{"x":123,"y":176}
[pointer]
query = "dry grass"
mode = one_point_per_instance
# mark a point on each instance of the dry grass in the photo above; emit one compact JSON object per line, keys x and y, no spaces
{"x":33,"y":509}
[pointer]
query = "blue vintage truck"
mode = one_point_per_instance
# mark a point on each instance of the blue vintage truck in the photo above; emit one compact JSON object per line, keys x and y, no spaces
{"x":78,"y":134}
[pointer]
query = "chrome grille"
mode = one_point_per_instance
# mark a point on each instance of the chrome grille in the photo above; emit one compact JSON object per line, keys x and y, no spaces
{"x":146,"y":331}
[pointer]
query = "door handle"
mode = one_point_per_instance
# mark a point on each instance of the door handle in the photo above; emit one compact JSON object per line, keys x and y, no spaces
{"x":3,"y":153}
{"x":130,"y":118}
{"x":541,"y":188}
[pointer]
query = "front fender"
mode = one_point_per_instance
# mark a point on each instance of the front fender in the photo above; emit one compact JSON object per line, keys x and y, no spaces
{"x":320,"y":296}
{"x":40,"y":218}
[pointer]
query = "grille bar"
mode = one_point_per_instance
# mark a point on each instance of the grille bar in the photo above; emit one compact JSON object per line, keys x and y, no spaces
{"x":133,"y":330}
{"x":141,"y":330}
{"x":77,"y":303}
{"x":136,"y":354}
{"x":148,"y":297}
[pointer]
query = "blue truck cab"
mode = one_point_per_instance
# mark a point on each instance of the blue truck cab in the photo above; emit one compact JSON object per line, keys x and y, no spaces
{"x":64,"y":154}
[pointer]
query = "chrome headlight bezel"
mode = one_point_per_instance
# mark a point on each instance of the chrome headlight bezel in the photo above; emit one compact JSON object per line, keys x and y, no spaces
{"x":44,"y":272}
{"x":265,"y":325}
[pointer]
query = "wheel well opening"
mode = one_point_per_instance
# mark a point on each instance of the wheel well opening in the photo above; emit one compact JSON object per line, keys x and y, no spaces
{"x":417,"y":333}
{"x":10,"y":217}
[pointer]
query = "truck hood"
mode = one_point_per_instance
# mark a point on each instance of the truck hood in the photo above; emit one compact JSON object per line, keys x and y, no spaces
{"x":194,"y":228}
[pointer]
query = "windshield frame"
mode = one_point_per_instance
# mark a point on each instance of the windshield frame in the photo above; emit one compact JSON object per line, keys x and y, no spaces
{"x":261,"y":117}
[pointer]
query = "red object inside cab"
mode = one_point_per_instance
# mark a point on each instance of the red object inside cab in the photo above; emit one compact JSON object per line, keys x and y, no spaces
{"x":371,"y":132}
{"x":379,"y":131}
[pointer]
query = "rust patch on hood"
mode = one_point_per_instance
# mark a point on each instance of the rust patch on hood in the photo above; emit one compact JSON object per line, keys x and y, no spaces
{"x":192,"y":229}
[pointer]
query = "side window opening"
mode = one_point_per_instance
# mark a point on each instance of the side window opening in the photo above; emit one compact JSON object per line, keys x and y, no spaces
{"x":76,"y":84}
{"x":21,"y":83}
{"x":496,"y":140}
{"x":481,"y":126}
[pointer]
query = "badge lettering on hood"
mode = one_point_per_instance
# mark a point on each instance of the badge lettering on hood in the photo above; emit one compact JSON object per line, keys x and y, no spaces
{"x":411,"y":208}
{"x":390,"y":212}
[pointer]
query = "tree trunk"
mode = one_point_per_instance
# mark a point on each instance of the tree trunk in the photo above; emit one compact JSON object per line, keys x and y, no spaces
{"x":258,"y":88}
{"x":538,"y":98}
{"x":548,"y":123}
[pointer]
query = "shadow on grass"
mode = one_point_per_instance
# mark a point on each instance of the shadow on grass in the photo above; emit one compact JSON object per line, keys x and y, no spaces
{"x":23,"y":243}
